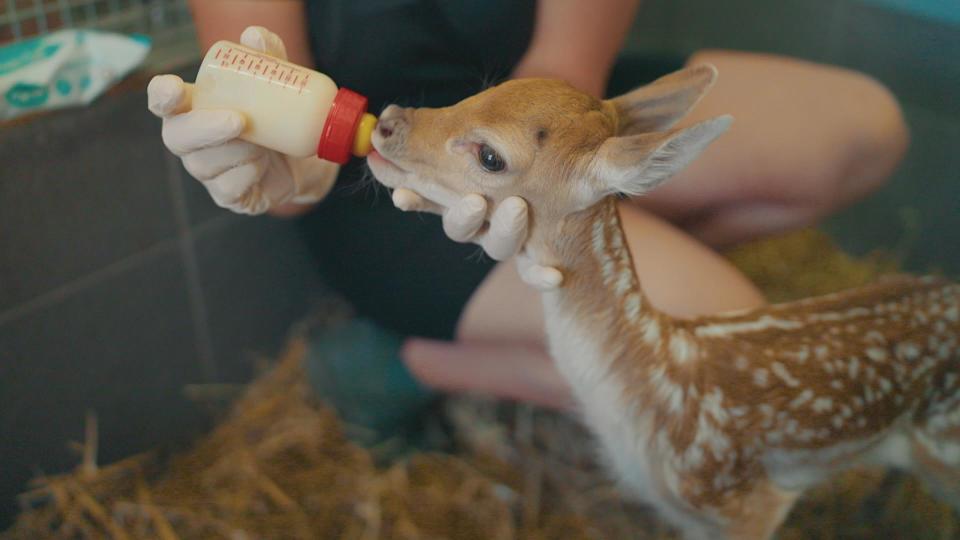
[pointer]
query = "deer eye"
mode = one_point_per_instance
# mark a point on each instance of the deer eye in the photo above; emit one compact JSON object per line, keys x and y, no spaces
{"x":490,"y":159}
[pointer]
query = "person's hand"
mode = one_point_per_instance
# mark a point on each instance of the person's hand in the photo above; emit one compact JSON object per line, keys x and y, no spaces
{"x":240,"y":176}
{"x":501,"y":237}
{"x":538,"y":276}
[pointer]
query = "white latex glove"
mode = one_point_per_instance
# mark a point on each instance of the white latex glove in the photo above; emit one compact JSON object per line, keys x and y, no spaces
{"x":502,"y":238}
{"x":240,"y":176}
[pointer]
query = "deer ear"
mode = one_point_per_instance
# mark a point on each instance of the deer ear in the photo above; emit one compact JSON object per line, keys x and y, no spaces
{"x":636,"y":164}
{"x":661,"y":104}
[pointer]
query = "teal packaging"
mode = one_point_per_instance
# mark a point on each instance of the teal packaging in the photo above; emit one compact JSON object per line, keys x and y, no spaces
{"x":65,"y":68}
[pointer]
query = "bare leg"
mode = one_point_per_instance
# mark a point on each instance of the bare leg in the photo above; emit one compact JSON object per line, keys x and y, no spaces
{"x":505,"y":370}
{"x":501,"y":343}
{"x":807,"y":140}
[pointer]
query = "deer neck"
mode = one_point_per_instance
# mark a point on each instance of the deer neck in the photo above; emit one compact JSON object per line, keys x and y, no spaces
{"x":600,"y":325}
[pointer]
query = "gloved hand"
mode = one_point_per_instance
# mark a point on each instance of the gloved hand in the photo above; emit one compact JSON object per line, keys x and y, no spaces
{"x":240,"y":176}
{"x":501,"y":238}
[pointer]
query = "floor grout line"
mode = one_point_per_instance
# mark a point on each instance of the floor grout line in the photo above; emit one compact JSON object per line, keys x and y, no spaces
{"x":212,"y":224}
{"x":97,"y":276}
{"x":185,"y":240}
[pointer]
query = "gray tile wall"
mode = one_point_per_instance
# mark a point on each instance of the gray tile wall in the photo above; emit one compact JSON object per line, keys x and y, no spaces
{"x":120,"y":283}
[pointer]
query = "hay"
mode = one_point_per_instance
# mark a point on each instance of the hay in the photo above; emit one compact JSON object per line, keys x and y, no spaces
{"x":806,"y":263}
{"x":279,"y":466}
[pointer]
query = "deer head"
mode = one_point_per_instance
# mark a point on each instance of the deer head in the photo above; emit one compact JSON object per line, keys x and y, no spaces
{"x":545,"y":141}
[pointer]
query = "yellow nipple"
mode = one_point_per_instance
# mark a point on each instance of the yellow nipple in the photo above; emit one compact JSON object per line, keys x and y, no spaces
{"x":361,"y":141}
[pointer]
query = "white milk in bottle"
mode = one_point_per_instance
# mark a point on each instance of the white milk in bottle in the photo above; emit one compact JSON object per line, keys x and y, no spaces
{"x":288,"y":108}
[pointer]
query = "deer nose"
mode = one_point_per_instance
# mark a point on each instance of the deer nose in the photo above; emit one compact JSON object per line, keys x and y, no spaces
{"x":391,"y":120}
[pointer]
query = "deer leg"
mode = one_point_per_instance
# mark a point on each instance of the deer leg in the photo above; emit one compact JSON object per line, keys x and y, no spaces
{"x":758,"y":514}
{"x":936,"y":461}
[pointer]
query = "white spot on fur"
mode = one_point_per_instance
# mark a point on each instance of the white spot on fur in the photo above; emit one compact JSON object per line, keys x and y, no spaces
{"x":799,"y":356}
{"x":616,"y":237}
{"x":822,"y":405}
{"x":711,"y":437}
{"x":781,"y":371}
{"x":651,"y":332}
{"x":713,"y":404}
{"x":631,"y":308}
{"x":667,"y":390}
{"x":908,"y":351}
{"x":625,"y":281}
{"x":693,"y":457}
{"x":763,"y":323}
{"x":739,"y":411}
{"x":760,"y":377}
{"x":682,"y":348}
{"x":599,"y":241}
{"x":741,"y":363}
{"x":608,"y":268}
{"x":854,"y":367}
{"x":804,"y":397}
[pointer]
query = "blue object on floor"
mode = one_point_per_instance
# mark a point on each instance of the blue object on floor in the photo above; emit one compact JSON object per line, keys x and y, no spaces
{"x":355,"y":366}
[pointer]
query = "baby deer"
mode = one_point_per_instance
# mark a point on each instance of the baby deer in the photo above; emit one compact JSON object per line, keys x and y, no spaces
{"x":718,"y":422}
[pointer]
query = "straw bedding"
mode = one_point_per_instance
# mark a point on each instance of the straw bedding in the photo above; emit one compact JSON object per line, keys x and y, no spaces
{"x":279,"y":466}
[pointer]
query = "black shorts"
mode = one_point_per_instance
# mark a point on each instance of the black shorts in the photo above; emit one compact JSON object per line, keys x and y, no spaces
{"x":396,"y":268}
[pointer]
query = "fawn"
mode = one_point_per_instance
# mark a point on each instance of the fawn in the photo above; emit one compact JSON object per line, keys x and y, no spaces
{"x":719,"y":422}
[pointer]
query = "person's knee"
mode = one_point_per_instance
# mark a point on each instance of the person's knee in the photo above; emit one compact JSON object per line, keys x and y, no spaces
{"x":877,"y":141}
{"x":850,"y":132}
{"x":861,"y":151}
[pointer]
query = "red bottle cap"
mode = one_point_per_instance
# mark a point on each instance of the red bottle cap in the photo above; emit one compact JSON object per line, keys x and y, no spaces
{"x":340,"y":129}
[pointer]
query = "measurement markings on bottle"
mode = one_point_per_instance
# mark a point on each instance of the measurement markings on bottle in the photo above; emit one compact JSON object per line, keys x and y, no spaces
{"x":262,"y":67}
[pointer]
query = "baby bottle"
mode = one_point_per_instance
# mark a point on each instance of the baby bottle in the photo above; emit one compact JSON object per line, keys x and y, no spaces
{"x":288,"y":108}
